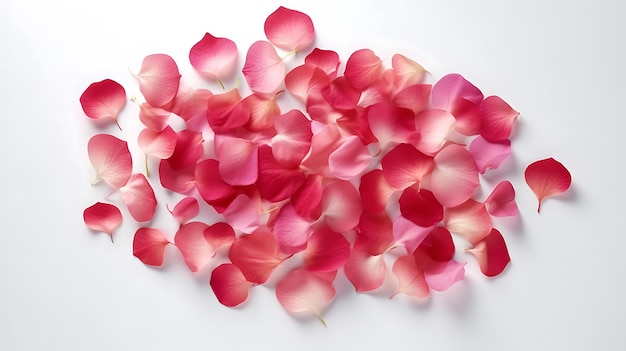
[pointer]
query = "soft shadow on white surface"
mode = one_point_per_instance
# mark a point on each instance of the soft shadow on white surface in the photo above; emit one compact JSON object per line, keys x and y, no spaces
{"x":560,"y":64}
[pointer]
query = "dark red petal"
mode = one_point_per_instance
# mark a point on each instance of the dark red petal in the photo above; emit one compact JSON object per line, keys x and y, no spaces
{"x":421,"y":207}
{"x":492,"y":254}
{"x":276,"y":182}
{"x":374,"y":233}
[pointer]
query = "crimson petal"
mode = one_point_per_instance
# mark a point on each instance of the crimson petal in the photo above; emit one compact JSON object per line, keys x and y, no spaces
{"x":149,"y":245}
{"x":492,"y":254}
{"x":547,"y":178}
{"x":103,"y":217}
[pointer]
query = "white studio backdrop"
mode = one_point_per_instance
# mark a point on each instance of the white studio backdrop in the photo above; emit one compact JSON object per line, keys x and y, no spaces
{"x":561,"y":64}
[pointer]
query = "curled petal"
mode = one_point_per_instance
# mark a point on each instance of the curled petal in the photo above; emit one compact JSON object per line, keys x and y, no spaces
{"x":455,"y":177}
{"x":215,"y":58}
{"x":229,"y":285}
{"x":489,"y":155}
{"x":497,"y":119}
{"x":158,"y":79}
{"x":256,"y":255}
{"x":469,"y":220}
{"x":501,"y":201}
{"x":111,"y":159}
{"x":366,"y":272}
{"x":547,"y":178}
{"x":305,"y":293}
{"x":410,"y":276}
{"x":149,"y":246}
{"x":102,"y":217}
{"x":289,"y":29}
{"x":363,"y":69}
{"x":186,"y":209}
{"x":491,"y":254}
{"x":104,"y":99}
{"x":139,"y":197}
{"x":264,"y":70}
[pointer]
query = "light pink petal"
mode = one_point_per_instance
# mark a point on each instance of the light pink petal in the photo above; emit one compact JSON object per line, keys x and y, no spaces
{"x":469,"y":220}
{"x":215,"y":58}
{"x":415,"y":97}
{"x":497,"y":119}
{"x":365,"y":271}
{"x":363,"y":69}
{"x":341,"y":205}
{"x":238,"y":160}
{"x":256,"y":255}
{"x":186,"y":209}
{"x":111,"y":160}
{"x":374,"y":234}
{"x":229,"y":285}
{"x":158,"y":79}
{"x":104,"y":99}
{"x":179,"y":181}
{"x":455,"y":177}
{"x":404,"y":166}
{"x":264,"y":70}
{"x":291,"y":230}
{"x":227,"y":111}
{"x":350,"y":159}
{"x":375,"y":192}
{"x":406,"y":72}
{"x":190,"y":240}
{"x":441,"y":275}
{"x":327,"y":251}
{"x":154,"y":118}
{"x":307,"y":200}
{"x":547,"y":178}
{"x":102,"y":217}
{"x":139,"y":197}
{"x":434,"y":127}
{"x":305,"y":82}
{"x":326,"y":60}
{"x":305,"y":293}
{"x":190,"y":104}
{"x":210,"y":184}
{"x":289,"y":29}
{"x":243,"y":214}
{"x":158,"y":144}
{"x":391,"y":125}
{"x":263,"y":111}
{"x":410,"y":276}
{"x":501,"y":201}
{"x":188,"y":150}
{"x":149,"y":246}
{"x":276,"y":182}
{"x":293,"y":138}
{"x":491,"y":254}
{"x":420,"y":207}
{"x":489,"y":155}
{"x":451,"y":90}
{"x":409,"y":234}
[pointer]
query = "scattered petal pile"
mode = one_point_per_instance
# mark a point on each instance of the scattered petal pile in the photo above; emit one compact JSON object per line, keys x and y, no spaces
{"x":370,"y":180}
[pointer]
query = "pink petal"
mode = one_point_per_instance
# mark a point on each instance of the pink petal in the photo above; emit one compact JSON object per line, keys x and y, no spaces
{"x":305,"y":293}
{"x":489,"y":155}
{"x":323,"y":143}
{"x":263,"y":111}
{"x":158,"y":144}
{"x":276,"y":182}
{"x":497,"y":119}
{"x":410,"y":276}
{"x":340,"y":94}
{"x":469,"y":220}
{"x":501,"y":201}
{"x":289,"y":29}
{"x":327,"y":251}
{"x":256,"y":255}
{"x":451,"y":90}
{"x":406,"y":72}
{"x":139,"y":197}
{"x":305,"y":82}
{"x":199,"y":242}
{"x":243,"y":214}
{"x":111,"y":159}
{"x":188,"y":150}
{"x":420,"y":207}
{"x":547,"y":178}
{"x":326,"y":60}
{"x":215,"y":58}
{"x":349,"y":159}
{"x":375,"y":192}
{"x":210,"y":184}
{"x":154,"y":118}
{"x":455,"y":177}
{"x":415,"y":97}
{"x":467,"y":115}
{"x":374,"y":234}
{"x":434,"y":127}
{"x":307,"y":200}
{"x":264,"y":70}
{"x":149,"y":246}
{"x":229,"y":285}
{"x":492,"y":254}
{"x":102,"y":217}
{"x":341,"y":206}
{"x":404,"y":166}
{"x":104,"y":99}
{"x":441,"y":275}
{"x":227,"y":111}
{"x":363,"y":69}
{"x":158,"y":79}
{"x":238,"y":160}
{"x":293,"y":138}
{"x":179,"y":181}
{"x":390,"y":124}
{"x":409,"y":234}
{"x":190,"y":104}
{"x":185,"y":210}
{"x":365,"y":271}
{"x":291,"y":230}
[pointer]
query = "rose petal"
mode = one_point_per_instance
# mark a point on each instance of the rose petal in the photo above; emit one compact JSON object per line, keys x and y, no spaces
{"x":104,"y":99}
{"x":491,"y":254}
{"x":103,"y":217}
{"x":229,"y":285}
{"x":501,"y":201}
{"x":111,"y":159}
{"x":139,"y":197}
{"x":215,"y":58}
{"x":289,"y":29}
{"x":547,"y":178}
{"x":305,"y":293}
{"x":149,"y":246}
{"x":158,"y":79}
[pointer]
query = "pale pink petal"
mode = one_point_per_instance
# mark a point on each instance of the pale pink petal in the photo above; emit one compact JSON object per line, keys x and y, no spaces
{"x":363,"y":69}
{"x":349,"y":159}
{"x":441,"y":275}
{"x":391,"y":125}
{"x":291,"y":230}
{"x":491,"y":254}
{"x":327,"y":251}
{"x":158,"y":144}
{"x":264,"y":70}
{"x":229,"y":285}
{"x":305,"y":293}
{"x":547,"y":178}
{"x":469,"y":220}
{"x":409,"y":234}
{"x":305,"y":82}
{"x":434,"y":127}
{"x":276,"y":182}
{"x":256,"y":255}
{"x":243,"y":214}
{"x":158,"y":79}
{"x":341,"y":205}
{"x":149,"y":246}
{"x":451,"y":90}
{"x":455,"y":177}
{"x":326,"y":60}
{"x":111,"y":160}
{"x":501,"y":201}
{"x":196,"y":251}
{"x":289,"y":29}
{"x":366,"y":272}
{"x":263,"y":111}
{"x":420,"y":207}
{"x":410,"y":276}
{"x":404,"y":166}
{"x":215,"y":58}
{"x":104,"y":99}
{"x":186,"y":209}
{"x":139,"y":197}
{"x":497,"y":119}
{"x":154,"y":118}
{"x":415,"y":97}
{"x":374,"y":234}
{"x":102,"y":217}
{"x":238,"y":160}
{"x":293,"y":138}
{"x":375,"y":191}
{"x":406,"y":71}
{"x":489,"y":155}
{"x":190,"y":104}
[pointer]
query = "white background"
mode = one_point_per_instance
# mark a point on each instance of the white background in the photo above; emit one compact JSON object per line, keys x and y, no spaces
{"x":560,"y":63}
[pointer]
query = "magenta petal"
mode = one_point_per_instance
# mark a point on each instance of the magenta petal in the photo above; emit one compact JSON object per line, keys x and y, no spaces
{"x":421,"y":207}
{"x":491,"y":254}
{"x":292,"y":230}
{"x":489,"y":155}
{"x":186,"y":209}
{"x":104,"y":99}
{"x":327,"y":251}
{"x":497,"y":119}
{"x":441,"y":275}
{"x":547,"y":178}
{"x":349,"y":159}
{"x":229,"y":285}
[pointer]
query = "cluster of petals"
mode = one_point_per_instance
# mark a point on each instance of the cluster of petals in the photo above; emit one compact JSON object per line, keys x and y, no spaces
{"x":371,"y":178}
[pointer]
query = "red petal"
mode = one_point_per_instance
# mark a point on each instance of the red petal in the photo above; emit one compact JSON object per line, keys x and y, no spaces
{"x":293,"y":138}
{"x":276,"y":182}
{"x":363,"y":69}
{"x":374,"y":234}
{"x":305,"y":293}
{"x":492,"y":254}
{"x":455,"y":177}
{"x":102,"y":217}
{"x":501,"y":201}
{"x":158,"y":144}
{"x":199,"y":242}
{"x":256,"y":255}
{"x":421,"y":207}
{"x":149,"y":246}
{"x":497,"y":119}
{"x":188,"y":150}
{"x":158,"y":79}
{"x":406,"y":72}
{"x":434,"y":127}
{"x":469,"y":220}
{"x":154,"y":118}
{"x":410,"y":275}
{"x":238,"y":160}
{"x":349,"y":159}
{"x":111,"y":159}
{"x":210,"y":184}
{"x":547,"y":178}
{"x":219,"y":235}
{"x":404,"y":166}
{"x":264,"y":70}
{"x":229,"y":285}
{"x":327,"y":251}
{"x":215,"y":58}
{"x":289,"y":29}
{"x":340,"y":94}
{"x":341,"y":206}
{"x":489,"y":155}
{"x":139,"y":197}
{"x":104,"y":99}
{"x":439,"y":244}
{"x":326,"y":60}
{"x":179,"y":181}
{"x":375,"y":191}
{"x":186,"y":209}
{"x":291,"y":230}
{"x":307,"y":200}
{"x":365,"y":272}
{"x":323,"y":143}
